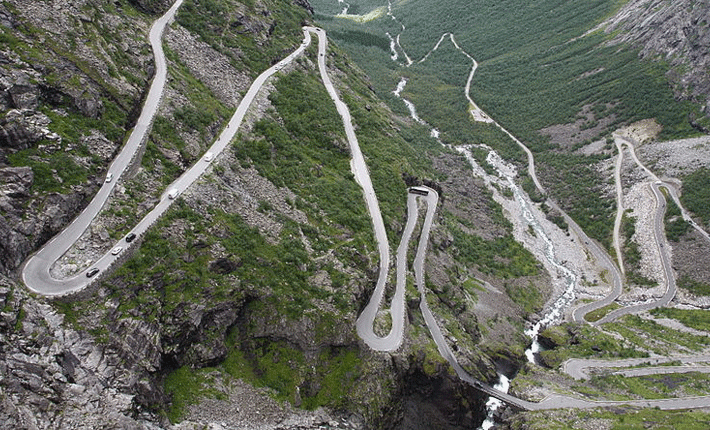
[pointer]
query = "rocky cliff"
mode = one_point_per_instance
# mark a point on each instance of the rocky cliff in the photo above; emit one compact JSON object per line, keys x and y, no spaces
{"x":72,"y":77}
{"x":675,"y":32}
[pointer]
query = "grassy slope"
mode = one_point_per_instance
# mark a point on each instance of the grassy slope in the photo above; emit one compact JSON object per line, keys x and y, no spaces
{"x":298,"y":144}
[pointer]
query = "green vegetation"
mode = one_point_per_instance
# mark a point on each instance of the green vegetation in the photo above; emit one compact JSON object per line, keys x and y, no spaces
{"x":696,"y":193}
{"x":203,"y":114}
{"x":618,"y":418}
{"x":698,"y":319}
{"x":58,"y":167}
{"x":529,"y":77}
{"x":246,"y":36}
{"x":652,"y":386}
{"x":580,"y":189}
{"x":70,"y":84}
{"x":502,"y":257}
{"x":269,"y":267}
{"x":186,"y":386}
{"x":675,"y":225}
{"x":693,"y":286}
{"x":327,"y":381}
{"x":57,"y":172}
{"x":647,"y":334}
{"x":583,"y":341}
{"x":600,"y":313}
{"x":172,"y":275}
{"x":299,"y":145}
{"x":391,"y":151}
{"x":632,"y":254}
{"x":316,"y":166}
{"x":527,"y":296}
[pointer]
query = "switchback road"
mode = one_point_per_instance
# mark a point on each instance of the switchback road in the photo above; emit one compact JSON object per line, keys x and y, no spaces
{"x":35,"y":272}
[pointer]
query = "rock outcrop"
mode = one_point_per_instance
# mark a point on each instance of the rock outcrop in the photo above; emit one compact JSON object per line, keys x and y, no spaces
{"x":52,"y":376}
{"x":677,"y":32}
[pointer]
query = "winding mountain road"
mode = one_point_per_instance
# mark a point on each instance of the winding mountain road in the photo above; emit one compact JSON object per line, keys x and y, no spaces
{"x":668,"y":275}
{"x":35,"y":272}
{"x":579,"y":368}
{"x":597,"y":252}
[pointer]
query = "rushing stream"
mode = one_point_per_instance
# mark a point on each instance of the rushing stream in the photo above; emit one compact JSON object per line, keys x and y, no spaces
{"x":412,"y":109}
{"x":554,"y":313}
{"x":507,"y":174}
{"x":493,"y":404}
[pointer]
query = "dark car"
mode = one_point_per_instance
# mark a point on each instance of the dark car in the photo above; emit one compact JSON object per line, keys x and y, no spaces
{"x":130,"y":237}
{"x":92,"y":272}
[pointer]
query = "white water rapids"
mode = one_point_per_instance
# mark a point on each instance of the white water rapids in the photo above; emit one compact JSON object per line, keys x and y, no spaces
{"x":412,"y":109}
{"x":507,"y":173}
{"x":493,"y":404}
{"x":554,"y":313}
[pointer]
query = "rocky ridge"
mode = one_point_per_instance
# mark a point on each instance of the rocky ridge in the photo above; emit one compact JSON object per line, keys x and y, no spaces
{"x":677,"y":32}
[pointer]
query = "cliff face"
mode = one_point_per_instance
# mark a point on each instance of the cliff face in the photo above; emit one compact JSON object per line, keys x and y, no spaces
{"x":677,"y":32}
{"x":54,"y":376}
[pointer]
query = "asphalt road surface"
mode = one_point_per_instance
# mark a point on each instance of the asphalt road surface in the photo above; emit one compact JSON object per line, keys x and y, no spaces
{"x":35,"y":272}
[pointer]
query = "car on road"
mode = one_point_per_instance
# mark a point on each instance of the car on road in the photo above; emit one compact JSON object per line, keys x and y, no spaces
{"x":130,"y":237}
{"x":92,"y":272}
{"x":109,"y":176}
{"x":208,"y":156}
{"x":117,"y":250}
{"x":173,"y":193}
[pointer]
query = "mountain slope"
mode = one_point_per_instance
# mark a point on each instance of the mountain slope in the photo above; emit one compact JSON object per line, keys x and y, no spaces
{"x":257,"y":273}
{"x":676,"y":33}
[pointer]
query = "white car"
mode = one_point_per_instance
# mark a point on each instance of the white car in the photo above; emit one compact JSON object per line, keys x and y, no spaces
{"x":173,"y":193}
{"x":208,"y":156}
{"x":109,"y":176}
{"x":117,"y":250}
